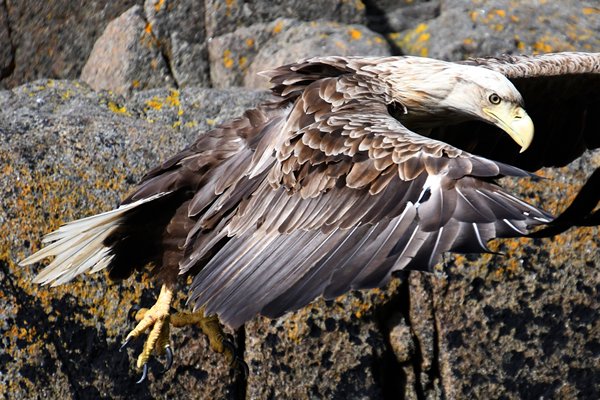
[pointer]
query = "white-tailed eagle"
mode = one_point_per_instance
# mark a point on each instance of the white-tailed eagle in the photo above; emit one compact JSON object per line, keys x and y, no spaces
{"x":357,"y":168}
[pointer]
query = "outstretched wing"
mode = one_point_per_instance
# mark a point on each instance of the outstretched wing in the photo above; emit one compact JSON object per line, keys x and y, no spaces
{"x":349,"y":196}
{"x":562,"y":96}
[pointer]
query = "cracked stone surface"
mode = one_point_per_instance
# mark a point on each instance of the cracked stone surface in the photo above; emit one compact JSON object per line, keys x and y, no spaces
{"x":51,"y":39}
{"x":126,"y":57}
{"x":523,"y":325}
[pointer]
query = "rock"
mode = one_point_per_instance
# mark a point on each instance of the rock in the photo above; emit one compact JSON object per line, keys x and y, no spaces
{"x":237,"y":57}
{"x":524,"y":324}
{"x":226,"y":17}
{"x":7,"y":50}
{"x":67,"y":152}
{"x":385,"y":16}
{"x":51,"y":39}
{"x":468,"y":28}
{"x":179,"y":30}
{"x":126,"y":56}
{"x":310,"y":39}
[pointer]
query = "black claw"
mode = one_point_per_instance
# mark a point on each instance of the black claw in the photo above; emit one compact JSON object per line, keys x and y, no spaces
{"x":132,"y":311}
{"x":125,"y":343}
{"x":229,"y":346}
{"x":243,"y":367}
{"x":235,"y":359}
{"x":169,"y":355}
{"x":144,"y":374}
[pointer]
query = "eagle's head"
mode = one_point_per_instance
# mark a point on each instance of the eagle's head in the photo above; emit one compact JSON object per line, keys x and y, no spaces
{"x":435,"y":93}
{"x":489,"y":96}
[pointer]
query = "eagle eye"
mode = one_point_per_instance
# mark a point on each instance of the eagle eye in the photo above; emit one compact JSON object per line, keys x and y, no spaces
{"x":495,"y":99}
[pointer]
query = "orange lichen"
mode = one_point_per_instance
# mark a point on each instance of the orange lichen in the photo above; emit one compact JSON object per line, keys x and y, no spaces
{"x":154,"y":103}
{"x":278,"y":27}
{"x":227,"y":60}
{"x":159,"y":5}
{"x":250,"y":42}
{"x":354,"y":33}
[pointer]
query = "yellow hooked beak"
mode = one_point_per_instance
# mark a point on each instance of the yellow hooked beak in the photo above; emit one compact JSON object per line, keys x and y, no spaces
{"x":513,"y":120}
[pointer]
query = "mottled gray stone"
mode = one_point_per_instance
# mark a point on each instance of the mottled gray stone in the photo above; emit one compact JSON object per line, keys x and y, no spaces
{"x":393,"y":16}
{"x":227,"y":16}
{"x":488,"y":27}
{"x":237,"y":57}
{"x":127,"y":57}
{"x":52,"y":39}
{"x":179,"y":29}
{"x":67,"y":152}
{"x":309,"y":39}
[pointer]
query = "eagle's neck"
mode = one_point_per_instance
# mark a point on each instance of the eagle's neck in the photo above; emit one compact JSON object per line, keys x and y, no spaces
{"x":419,"y":87}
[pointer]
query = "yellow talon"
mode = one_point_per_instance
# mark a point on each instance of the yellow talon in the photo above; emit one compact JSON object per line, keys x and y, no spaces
{"x":158,"y":320}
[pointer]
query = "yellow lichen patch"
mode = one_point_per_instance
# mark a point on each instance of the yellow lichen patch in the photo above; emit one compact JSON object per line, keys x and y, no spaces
{"x":148,"y":28}
{"x":542,"y":47}
{"x":172,"y":100}
{"x":423,"y":37}
{"x":500,"y":13}
{"x":66,"y":94}
{"x":250,"y":42}
{"x":415,"y":41}
{"x":227,"y":59}
{"x":591,"y":10}
{"x":354,"y":33}
{"x":154,"y":103}
{"x":211,"y":122}
{"x":243,"y":61}
{"x":278,"y":27}
{"x":136,"y":84}
{"x":114,"y":107}
{"x":378,"y":40}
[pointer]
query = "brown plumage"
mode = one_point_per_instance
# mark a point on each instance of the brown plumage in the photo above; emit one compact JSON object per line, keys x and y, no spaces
{"x":346,"y":177}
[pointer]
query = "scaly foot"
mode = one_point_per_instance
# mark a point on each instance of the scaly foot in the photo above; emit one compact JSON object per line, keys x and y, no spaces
{"x":158,"y":320}
{"x":213,"y":330}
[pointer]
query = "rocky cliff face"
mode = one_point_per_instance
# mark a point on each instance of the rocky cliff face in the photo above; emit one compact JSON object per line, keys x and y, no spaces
{"x":523,"y":325}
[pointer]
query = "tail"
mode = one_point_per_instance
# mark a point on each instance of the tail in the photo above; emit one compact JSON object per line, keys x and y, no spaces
{"x":82,"y":245}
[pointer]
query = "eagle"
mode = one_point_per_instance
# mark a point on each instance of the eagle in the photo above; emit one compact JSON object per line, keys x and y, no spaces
{"x":356,"y":168}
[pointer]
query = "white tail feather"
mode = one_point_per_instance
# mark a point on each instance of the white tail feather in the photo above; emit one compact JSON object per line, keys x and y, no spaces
{"x":79,"y":245}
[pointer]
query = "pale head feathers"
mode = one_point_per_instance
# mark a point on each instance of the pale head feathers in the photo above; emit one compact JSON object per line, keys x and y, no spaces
{"x":431,"y":88}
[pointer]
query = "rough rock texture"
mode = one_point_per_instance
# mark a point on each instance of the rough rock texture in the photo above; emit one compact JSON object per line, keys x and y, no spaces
{"x":226,"y":16}
{"x":522,"y":326}
{"x":467,"y":28}
{"x":126,"y":57}
{"x":51,"y":39}
{"x":238,"y":57}
{"x":67,"y":152}
{"x":178,"y":27}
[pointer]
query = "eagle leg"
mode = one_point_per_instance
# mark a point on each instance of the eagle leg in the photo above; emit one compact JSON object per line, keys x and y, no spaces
{"x":213,"y":330}
{"x":157,"y":320}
